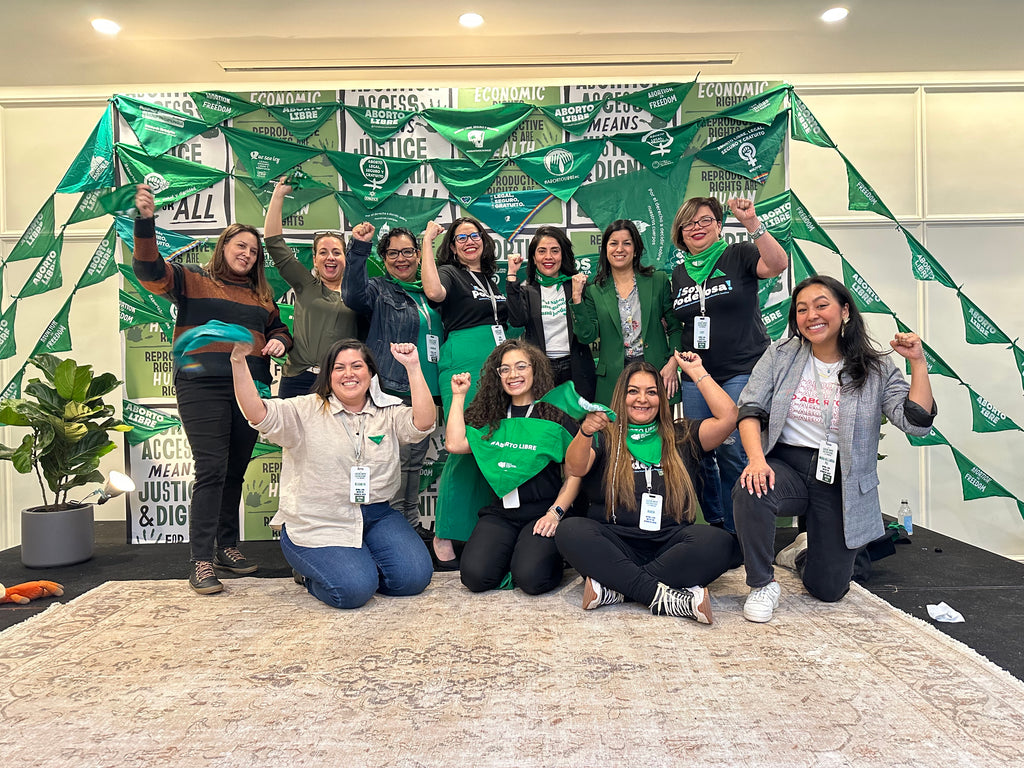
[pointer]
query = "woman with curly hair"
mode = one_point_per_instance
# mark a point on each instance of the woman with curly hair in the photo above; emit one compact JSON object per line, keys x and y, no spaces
{"x":521,"y":444}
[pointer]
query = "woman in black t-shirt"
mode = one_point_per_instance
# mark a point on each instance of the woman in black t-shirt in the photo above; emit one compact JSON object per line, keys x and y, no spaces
{"x":638,"y":541}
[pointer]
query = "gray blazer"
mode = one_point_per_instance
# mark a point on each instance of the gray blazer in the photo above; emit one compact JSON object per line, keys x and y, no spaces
{"x":767,"y":397}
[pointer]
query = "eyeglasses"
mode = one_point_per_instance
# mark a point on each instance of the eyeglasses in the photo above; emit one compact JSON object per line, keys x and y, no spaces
{"x":405,"y":253}
{"x":467,"y":236}
{"x":504,"y":371}
{"x":337,"y":235}
{"x":703,"y":222}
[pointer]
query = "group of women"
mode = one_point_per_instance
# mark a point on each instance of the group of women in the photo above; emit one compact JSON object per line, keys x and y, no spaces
{"x":526,"y":486}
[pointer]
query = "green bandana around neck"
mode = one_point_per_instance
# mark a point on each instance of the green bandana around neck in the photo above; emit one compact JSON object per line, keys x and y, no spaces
{"x":413,"y":287}
{"x":644,"y":442}
{"x":518,"y":450}
{"x":700,"y":265}
{"x":565,"y":398}
{"x":556,"y":279}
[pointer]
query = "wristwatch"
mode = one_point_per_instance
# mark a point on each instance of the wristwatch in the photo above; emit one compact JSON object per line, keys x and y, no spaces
{"x":559,"y":512}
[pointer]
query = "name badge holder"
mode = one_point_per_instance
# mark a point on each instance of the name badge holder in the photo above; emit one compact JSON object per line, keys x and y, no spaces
{"x":828,"y":452}
{"x":359,"y":475}
{"x":497,"y":330}
{"x":433,"y":340}
{"x":702,"y":323}
{"x":650,"y":507}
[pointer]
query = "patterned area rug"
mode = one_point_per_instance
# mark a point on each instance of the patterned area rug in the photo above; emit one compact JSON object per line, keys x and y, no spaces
{"x":148,"y":674}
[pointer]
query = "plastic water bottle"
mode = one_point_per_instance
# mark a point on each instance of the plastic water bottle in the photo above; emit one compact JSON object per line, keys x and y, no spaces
{"x":905,"y":517}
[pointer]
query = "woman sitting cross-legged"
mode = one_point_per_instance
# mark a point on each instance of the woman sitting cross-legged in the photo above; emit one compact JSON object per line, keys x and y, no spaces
{"x":340,"y":469}
{"x":638,"y":541}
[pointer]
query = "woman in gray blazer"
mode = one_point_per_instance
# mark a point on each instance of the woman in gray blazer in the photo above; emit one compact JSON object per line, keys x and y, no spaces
{"x":809,"y":421}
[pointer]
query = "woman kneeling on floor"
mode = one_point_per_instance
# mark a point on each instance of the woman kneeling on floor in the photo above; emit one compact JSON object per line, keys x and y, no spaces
{"x":340,"y":468}
{"x":638,"y":541}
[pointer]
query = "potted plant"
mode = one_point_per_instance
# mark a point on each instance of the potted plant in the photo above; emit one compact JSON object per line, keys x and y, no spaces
{"x":69,"y":426}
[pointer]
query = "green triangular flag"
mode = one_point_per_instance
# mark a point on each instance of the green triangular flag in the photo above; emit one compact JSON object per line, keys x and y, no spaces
{"x":167,"y":242}
{"x":934,"y":437}
{"x":93,"y":168}
{"x":287,"y":313}
{"x":265,"y":158}
{"x":372,"y":178}
{"x":102,"y":264}
{"x":145,"y":422}
{"x":46,"y":276}
{"x":924,"y":265}
{"x":158,"y":129}
{"x":805,"y":126}
{"x":169,"y":177}
{"x":861,"y":196}
{"x":219,"y":106}
{"x":762,"y":108}
{"x":378,"y":123}
{"x":765,"y":288}
{"x":409,"y":211}
{"x":574,"y":118}
{"x":804,"y":227}
{"x":660,"y":148}
{"x":776,"y":319}
{"x":662,"y":101}
{"x":13,"y":388}
{"x":750,"y":152}
{"x":132,"y":312}
{"x":508,"y":213}
{"x":466,"y":180}
{"x":863,"y":294}
{"x":802,"y":268}
{"x":978,"y":327}
{"x":303,"y":120}
{"x":278,"y":285}
{"x":295,"y":201}
{"x":38,"y":235}
{"x":99,"y":202}
{"x":561,"y":169}
{"x":1018,"y":356}
{"x":57,"y":336}
{"x":264,"y":449}
{"x":477,"y":133}
{"x":936,"y":365}
{"x":565,"y":398}
{"x":8,"y":344}
{"x":975,"y":481}
{"x":988,"y":418}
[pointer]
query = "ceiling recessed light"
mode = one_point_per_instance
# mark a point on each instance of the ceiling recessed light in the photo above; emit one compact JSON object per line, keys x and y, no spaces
{"x":834,"y":14}
{"x":471,"y":19}
{"x":106,"y":26}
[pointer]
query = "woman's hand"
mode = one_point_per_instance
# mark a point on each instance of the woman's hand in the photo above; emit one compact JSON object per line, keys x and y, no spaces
{"x":363,"y":231}
{"x":670,"y":375}
{"x":240,"y":350}
{"x":690,"y":363}
{"x":282,"y":188}
{"x":144,"y":201}
{"x":515,"y":261}
{"x":405,"y":353}
{"x":273,"y":348}
{"x":758,"y":478}
{"x":594,"y":422}
{"x":744,"y":212}
{"x":460,"y":383}
{"x":546,"y":525}
{"x":579,"y":282}
{"x":908,"y":345}
{"x":432,"y":231}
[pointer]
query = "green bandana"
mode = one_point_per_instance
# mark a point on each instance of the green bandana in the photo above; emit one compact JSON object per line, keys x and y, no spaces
{"x":415,"y":287}
{"x":517,"y":451}
{"x":556,"y":279}
{"x":644,"y":442}
{"x":700,"y":265}
{"x":565,"y":398}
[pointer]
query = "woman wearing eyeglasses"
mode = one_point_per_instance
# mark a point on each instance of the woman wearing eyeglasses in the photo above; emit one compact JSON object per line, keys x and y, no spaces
{"x":464,"y":288}
{"x":399,"y":312}
{"x":520,"y":445}
{"x":714,"y":297}
{"x":321,"y":317}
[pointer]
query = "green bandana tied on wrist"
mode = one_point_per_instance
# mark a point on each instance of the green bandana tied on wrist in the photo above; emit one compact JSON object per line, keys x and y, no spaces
{"x":700,"y":265}
{"x":644,"y":442}
{"x":518,"y":450}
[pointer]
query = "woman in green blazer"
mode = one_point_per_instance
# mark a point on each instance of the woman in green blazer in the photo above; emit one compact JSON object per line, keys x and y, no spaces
{"x":628,"y":311}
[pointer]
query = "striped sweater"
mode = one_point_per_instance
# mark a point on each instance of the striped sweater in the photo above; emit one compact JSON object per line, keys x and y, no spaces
{"x":199,"y":299}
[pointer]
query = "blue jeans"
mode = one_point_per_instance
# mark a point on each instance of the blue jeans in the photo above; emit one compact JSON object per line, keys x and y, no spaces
{"x":721,"y":468}
{"x":393,"y":560}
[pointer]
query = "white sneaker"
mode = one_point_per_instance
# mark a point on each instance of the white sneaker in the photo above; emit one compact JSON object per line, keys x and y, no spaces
{"x":787,"y":557}
{"x":594,"y":595}
{"x":762,"y":602}
{"x":688,"y":603}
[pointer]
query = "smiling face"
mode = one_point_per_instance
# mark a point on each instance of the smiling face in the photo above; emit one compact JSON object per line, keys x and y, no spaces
{"x":697,"y":237}
{"x":620,"y":249}
{"x":468,"y":249}
{"x":350,"y":379}
{"x":401,"y":259}
{"x":819,"y":318}
{"x":548,"y":257}
{"x":642,"y":398}
{"x":518,"y":383}
{"x":240,"y":253}
{"x":329,"y":260}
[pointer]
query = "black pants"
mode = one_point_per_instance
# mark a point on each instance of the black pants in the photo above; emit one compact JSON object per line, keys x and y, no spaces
{"x":827,"y":568}
{"x":222,"y":443}
{"x":294,"y":386}
{"x":680,"y":556}
{"x":504,"y":541}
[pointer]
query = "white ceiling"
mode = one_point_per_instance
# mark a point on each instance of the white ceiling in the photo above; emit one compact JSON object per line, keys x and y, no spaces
{"x":185,"y":42}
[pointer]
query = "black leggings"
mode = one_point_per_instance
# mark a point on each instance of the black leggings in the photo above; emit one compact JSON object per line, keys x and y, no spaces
{"x":499,"y":544}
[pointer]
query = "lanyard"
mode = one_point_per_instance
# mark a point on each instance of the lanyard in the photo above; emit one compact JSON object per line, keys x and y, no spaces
{"x":528,"y":410}
{"x":647,"y":472}
{"x":356,"y":447}
{"x":422,"y":309}
{"x":702,"y":294}
{"x":826,"y":415}
{"x":486,"y":289}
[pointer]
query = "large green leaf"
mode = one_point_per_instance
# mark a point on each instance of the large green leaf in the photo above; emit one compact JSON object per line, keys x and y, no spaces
{"x":49,"y":399}
{"x":83,"y":380}
{"x":102,"y":384}
{"x":10,"y":415}
{"x":22,"y":455}
{"x":64,"y":379}
{"x":47,"y":363}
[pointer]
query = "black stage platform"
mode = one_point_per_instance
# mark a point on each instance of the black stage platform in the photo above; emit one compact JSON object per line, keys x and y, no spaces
{"x":986,"y":588}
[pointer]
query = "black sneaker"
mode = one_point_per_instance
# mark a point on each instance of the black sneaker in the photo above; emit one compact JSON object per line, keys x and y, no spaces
{"x":230,"y":559}
{"x":202,"y":578}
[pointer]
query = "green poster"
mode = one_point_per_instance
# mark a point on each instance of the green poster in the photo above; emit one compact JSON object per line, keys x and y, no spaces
{"x":776,"y":319}
{"x":562,"y":169}
{"x":762,"y":108}
{"x":409,"y":211}
{"x":975,"y":481}
{"x":265,"y":158}
{"x":93,"y":168}
{"x":145,"y":422}
{"x":35,"y":241}
{"x":46,"y":276}
{"x":660,"y":148}
{"x":261,"y":491}
{"x":934,"y":437}
{"x":8,"y":343}
{"x":662,"y":101}
{"x":574,"y":118}
{"x":924,"y":265}
{"x":378,"y":123}
{"x":157,"y":129}
{"x":170,"y":178}
{"x":978,"y":327}
{"x":477,"y":133}
{"x":805,"y":126}
{"x":936,"y":365}
{"x":863,"y":294}
{"x":988,"y":418}
{"x":466,"y":180}
{"x":57,"y":336}
{"x":750,"y":152}
{"x":220,"y":106}
{"x":102,"y":264}
{"x":303,"y":120}
{"x":860,"y":194}
{"x":372,"y":178}
{"x":507,"y":213}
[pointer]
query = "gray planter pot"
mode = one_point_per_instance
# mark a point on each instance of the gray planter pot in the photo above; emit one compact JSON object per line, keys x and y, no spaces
{"x":51,"y":537}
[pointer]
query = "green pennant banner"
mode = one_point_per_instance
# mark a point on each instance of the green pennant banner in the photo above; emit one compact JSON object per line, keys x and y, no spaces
{"x":988,"y":418}
{"x":924,"y":265}
{"x":805,"y":126}
{"x":57,"y":336}
{"x":662,"y":101}
{"x":13,"y":388}
{"x":561,"y":169}
{"x":975,"y":481}
{"x":762,"y":108}
{"x":776,"y":319}
{"x":507,"y":213}
{"x":765,"y":288}
{"x":46,"y":276}
{"x":863,"y":294}
{"x":158,"y":129}
{"x":860,"y":195}
{"x":372,"y":178}
{"x":265,"y":158}
{"x":145,"y":422}
{"x":219,"y":106}
{"x":38,"y":235}
{"x":936,"y":365}
{"x":169,"y":177}
{"x":477,"y":133}
{"x":409,"y":211}
{"x":978,"y":327}
{"x":802,"y":268}
{"x":658,"y":149}
{"x":93,"y":167}
{"x":167,"y":242}
{"x":102,"y":264}
{"x":8,"y":344}
{"x":303,"y":120}
{"x":98,"y":202}
{"x":295,"y":201}
{"x":934,"y":437}
{"x":379,"y":124}
{"x":750,"y":152}
{"x":574,"y":118}
{"x":133,"y":312}
{"x":466,"y":180}
{"x":804,"y":227}
{"x":1018,"y":356}
{"x":264,"y":449}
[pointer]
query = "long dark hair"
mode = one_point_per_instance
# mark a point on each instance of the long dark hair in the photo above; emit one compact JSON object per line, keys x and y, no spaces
{"x":322,"y":383}
{"x":860,"y":355}
{"x":257,"y":277}
{"x":568,"y":257}
{"x":490,"y":404}
{"x":604,"y":270}
{"x":446,"y":253}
